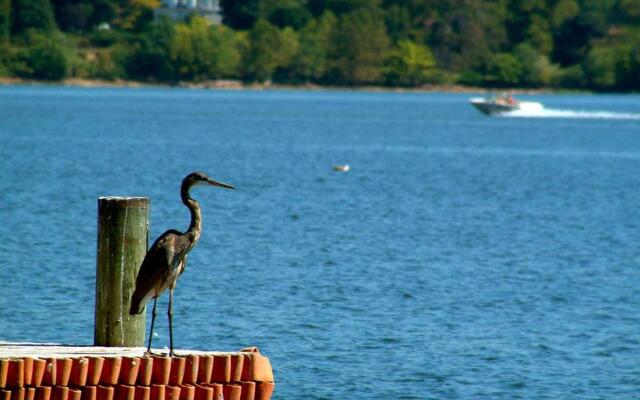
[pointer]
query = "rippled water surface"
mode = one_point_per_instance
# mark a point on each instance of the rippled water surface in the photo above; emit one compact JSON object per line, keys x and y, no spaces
{"x":461,"y":257}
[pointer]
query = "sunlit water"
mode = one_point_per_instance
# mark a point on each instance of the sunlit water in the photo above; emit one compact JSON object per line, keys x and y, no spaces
{"x":462,"y":256}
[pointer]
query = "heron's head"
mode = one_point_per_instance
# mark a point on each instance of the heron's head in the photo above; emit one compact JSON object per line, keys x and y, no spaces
{"x":199,"y":178}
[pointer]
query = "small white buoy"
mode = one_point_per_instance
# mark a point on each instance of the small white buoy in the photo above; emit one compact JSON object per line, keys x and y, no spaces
{"x":341,"y":168}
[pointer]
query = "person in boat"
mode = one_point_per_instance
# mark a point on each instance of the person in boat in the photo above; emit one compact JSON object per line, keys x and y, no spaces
{"x":501,"y":99}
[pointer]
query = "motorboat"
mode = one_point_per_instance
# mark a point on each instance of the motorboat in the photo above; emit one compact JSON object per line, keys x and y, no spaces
{"x":493,"y":105}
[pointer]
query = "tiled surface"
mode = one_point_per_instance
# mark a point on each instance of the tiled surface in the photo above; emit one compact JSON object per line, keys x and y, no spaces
{"x":56,"y":375}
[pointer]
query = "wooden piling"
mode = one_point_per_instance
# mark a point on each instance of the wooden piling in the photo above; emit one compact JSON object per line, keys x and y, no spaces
{"x":123,"y":230}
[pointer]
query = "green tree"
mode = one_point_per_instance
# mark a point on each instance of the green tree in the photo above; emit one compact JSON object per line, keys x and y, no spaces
{"x":5,"y":20}
{"x":223,"y":52}
{"x":572,"y":77}
{"x":46,"y":57}
{"x":464,"y":33}
{"x":596,"y":13}
{"x":282,"y":13}
{"x":83,"y":15}
{"x":399,"y":24}
{"x":310,"y":63}
{"x":201,"y":51}
{"x":563,"y":11}
{"x":288,"y":48}
{"x":137,"y":15}
{"x":31,"y":14}
{"x":259,"y":61}
{"x":240,"y":14}
{"x":340,"y":7}
{"x":360,"y":45}
{"x":73,"y":16}
{"x":600,"y":67}
{"x":503,"y":70}
{"x":104,"y":11}
{"x":628,"y":66}
{"x":268,"y":49}
{"x":182,"y":53}
{"x":409,"y":64}
{"x":627,"y":11}
{"x":538,"y":33}
{"x":149,"y":58}
{"x":537,"y":69}
{"x":522,"y":15}
{"x":107,"y":64}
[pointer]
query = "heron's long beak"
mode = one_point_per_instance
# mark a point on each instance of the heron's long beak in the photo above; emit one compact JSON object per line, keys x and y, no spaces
{"x":213,"y":182}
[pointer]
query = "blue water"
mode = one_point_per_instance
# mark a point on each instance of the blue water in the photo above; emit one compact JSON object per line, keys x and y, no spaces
{"x":462,"y":257}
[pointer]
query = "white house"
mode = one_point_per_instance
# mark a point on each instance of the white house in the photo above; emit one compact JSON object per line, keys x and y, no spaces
{"x":179,"y":10}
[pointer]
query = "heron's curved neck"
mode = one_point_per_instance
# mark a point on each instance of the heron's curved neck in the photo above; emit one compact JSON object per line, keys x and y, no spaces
{"x":195,"y":228}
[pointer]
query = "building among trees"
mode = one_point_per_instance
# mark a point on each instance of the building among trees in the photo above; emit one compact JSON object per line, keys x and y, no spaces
{"x":180,"y":10}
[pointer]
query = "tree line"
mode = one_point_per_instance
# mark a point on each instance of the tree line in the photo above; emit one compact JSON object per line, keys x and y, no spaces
{"x":573,"y":44}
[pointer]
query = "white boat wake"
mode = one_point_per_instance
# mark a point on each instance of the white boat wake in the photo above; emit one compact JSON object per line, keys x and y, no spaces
{"x":537,"y":110}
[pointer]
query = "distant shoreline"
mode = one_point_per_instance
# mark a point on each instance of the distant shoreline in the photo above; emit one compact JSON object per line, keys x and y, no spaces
{"x":239,"y":85}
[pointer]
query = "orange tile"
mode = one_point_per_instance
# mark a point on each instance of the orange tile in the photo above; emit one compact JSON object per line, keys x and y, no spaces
{"x":63,"y":371}
{"x":143,"y":393}
{"x":110,"y":371}
{"x":191,"y":367}
{"x":125,"y":392}
{"x":248,"y":390}
{"x":4,"y":370}
{"x":18,"y":394}
{"x":203,"y":392}
{"x":161,"y":370}
{"x":28,"y":370}
{"x":177,"y":371}
{"x":5,"y":394}
{"x":158,"y":392}
{"x":59,"y":393}
{"x":75,"y":394}
{"x":260,"y":368}
{"x":30,"y":393}
{"x":187,"y":392}
{"x":246,"y":368}
{"x":221,"y":369}
{"x":237,"y":362}
{"x":104,"y":392}
{"x":129,"y":370}
{"x":14,"y":377}
{"x":79,"y":371}
{"x":39,"y":366}
{"x":173,"y":393}
{"x":144,"y":373}
{"x":232,"y":391}
{"x":264,"y":390}
{"x":205,"y":368}
{"x":217,"y":390}
{"x":43,"y":392}
{"x":89,"y":393}
{"x":95,"y":370}
{"x":49,"y":376}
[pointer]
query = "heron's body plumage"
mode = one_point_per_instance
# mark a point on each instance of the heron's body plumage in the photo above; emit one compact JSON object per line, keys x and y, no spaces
{"x":161,"y":267}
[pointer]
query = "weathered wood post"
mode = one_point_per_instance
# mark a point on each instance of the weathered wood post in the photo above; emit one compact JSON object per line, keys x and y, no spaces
{"x":123,"y":230}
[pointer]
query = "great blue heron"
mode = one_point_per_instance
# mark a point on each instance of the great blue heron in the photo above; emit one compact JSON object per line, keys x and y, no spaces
{"x":167,"y":257}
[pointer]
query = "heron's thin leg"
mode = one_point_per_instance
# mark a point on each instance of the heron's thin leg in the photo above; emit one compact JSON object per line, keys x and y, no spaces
{"x":170,"y":313}
{"x":153,"y":319}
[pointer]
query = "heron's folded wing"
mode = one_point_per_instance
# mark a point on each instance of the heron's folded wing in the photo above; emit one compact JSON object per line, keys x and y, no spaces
{"x":157,"y":263}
